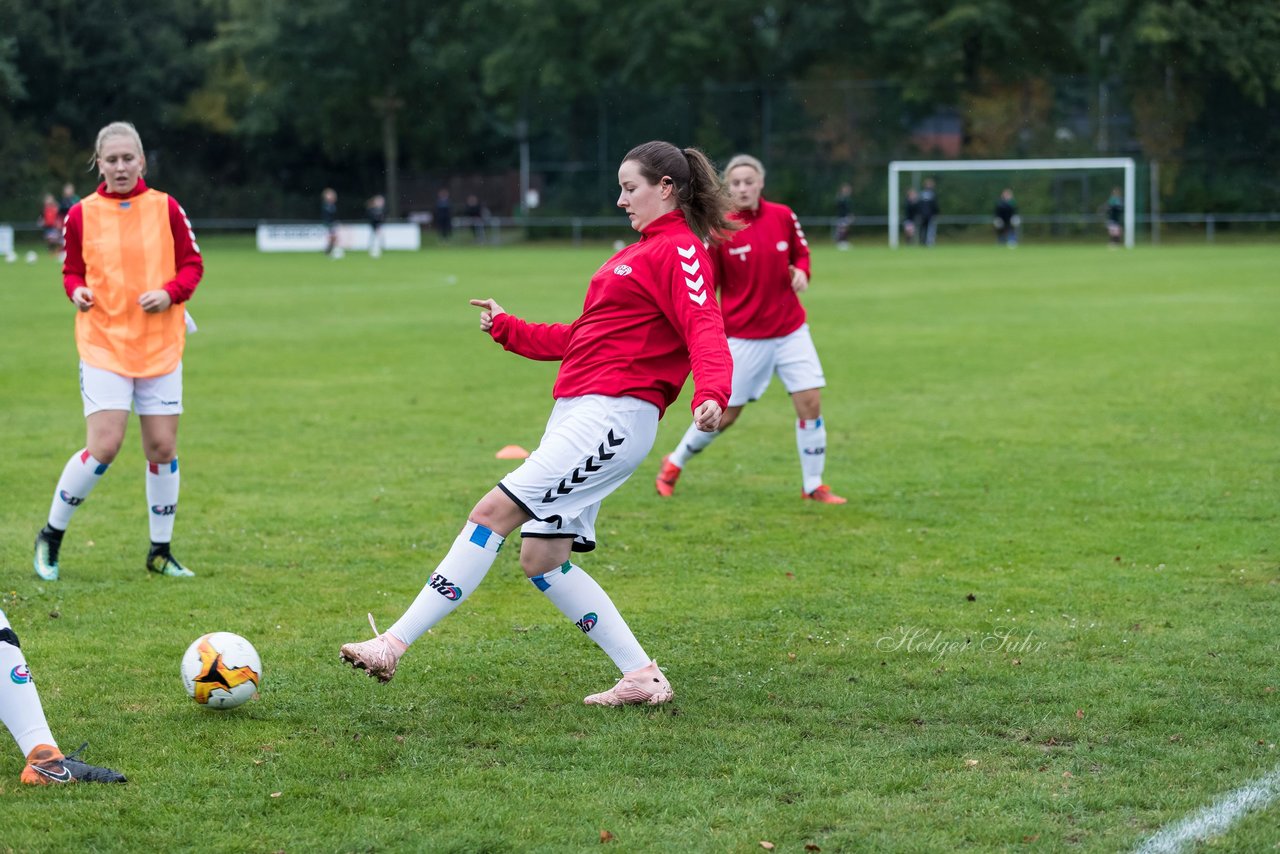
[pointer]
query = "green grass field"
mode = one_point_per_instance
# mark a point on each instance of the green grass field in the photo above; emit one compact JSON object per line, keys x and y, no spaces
{"x":1046,"y":620}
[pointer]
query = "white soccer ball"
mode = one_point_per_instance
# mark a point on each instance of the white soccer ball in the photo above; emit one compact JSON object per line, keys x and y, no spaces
{"x":11,"y":257}
{"x":31,"y":256}
{"x":221,"y":670}
{"x":337,"y":252}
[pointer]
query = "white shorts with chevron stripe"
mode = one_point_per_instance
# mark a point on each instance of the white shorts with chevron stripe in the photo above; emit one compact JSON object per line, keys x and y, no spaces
{"x":591,"y":446}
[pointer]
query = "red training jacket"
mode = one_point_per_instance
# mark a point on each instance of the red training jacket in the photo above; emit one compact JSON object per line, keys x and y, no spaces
{"x":649,"y":313}
{"x":753,"y":276}
{"x":186,"y":253}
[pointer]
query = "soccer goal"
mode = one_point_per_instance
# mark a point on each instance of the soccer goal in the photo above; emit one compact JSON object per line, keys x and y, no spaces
{"x":897,"y":167}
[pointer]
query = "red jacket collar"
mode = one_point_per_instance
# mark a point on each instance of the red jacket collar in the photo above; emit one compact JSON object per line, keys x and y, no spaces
{"x":749,"y":216}
{"x":138,"y":190}
{"x":670,"y":221}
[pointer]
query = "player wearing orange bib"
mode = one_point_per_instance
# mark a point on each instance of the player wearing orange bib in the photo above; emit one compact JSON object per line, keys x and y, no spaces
{"x":132,"y":260}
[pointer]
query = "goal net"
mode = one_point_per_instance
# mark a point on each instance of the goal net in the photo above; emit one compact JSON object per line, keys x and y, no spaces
{"x":1009,"y":171}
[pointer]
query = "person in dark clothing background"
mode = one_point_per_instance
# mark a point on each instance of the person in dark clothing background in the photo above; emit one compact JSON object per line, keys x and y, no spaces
{"x":1006,"y":220}
{"x":929,"y":210}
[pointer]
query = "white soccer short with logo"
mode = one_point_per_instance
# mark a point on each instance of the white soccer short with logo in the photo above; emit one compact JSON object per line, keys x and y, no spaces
{"x":591,"y":446}
{"x":106,"y":390}
{"x":792,"y":357}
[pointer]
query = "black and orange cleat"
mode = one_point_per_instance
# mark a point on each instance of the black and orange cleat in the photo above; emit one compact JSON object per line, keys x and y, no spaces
{"x":46,"y":765}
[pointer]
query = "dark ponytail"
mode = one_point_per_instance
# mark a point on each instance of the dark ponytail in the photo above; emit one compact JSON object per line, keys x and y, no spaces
{"x":700,"y":192}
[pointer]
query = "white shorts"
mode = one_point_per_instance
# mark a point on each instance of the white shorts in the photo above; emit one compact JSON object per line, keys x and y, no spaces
{"x":755,"y":360}
{"x":107,"y":390}
{"x":591,"y":446}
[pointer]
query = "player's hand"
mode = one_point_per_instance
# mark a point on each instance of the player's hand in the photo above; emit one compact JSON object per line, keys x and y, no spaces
{"x":155,"y":301}
{"x":83,"y":298}
{"x":491,"y":310}
{"x":799,"y":280}
{"x":707,"y":416}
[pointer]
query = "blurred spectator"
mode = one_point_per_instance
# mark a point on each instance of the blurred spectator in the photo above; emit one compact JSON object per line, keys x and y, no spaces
{"x":329,"y":216}
{"x":1006,"y":220}
{"x":478,"y":215}
{"x":444,"y":215}
{"x":51,"y":224}
{"x":376,"y":209}
{"x":68,"y":199}
{"x":1115,"y":217}
{"x":929,"y":210}
{"x":911,"y":216}
{"x":844,"y":216}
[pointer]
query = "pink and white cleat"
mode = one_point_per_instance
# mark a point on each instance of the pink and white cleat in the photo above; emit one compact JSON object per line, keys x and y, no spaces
{"x":377,"y":656}
{"x":646,"y":686}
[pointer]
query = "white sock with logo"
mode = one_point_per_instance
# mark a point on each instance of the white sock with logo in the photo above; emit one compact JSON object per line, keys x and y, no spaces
{"x":461,"y":572}
{"x":693,"y":442}
{"x":811,"y":441}
{"x":80,"y":475}
{"x":583,"y":601}
{"x":20,"y":708}
{"x":163,"y":480}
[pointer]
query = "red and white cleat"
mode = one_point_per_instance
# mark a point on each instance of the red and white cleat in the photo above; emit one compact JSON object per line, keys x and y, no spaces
{"x":667,"y":477}
{"x":823,"y":495}
{"x":646,"y":686}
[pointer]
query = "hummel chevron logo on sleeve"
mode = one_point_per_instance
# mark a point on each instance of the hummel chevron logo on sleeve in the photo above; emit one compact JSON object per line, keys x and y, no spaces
{"x":698,"y":295}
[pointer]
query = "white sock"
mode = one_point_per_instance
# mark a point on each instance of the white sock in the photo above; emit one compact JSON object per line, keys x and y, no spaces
{"x":163,"y":480}
{"x":693,"y":442}
{"x":811,"y":440}
{"x":583,"y":601}
{"x":80,"y":475}
{"x":20,"y":708}
{"x":461,"y":572}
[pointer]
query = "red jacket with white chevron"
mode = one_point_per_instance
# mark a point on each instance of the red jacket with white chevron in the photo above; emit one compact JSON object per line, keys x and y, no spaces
{"x":649,"y":316}
{"x":753,"y":275}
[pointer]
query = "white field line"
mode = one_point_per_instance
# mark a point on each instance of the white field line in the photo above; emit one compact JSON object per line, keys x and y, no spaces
{"x":1215,"y":818}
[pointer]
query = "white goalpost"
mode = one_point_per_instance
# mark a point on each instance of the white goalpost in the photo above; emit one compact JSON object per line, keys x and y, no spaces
{"x":1062,"y":163}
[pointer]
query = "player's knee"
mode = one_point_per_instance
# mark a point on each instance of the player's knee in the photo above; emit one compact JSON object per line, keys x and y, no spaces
{"x":8,"y":635}
{"x":105,"y":449}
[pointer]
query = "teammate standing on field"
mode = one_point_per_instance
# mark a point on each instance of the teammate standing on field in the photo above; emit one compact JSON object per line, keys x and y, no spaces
{"x":132,"y":260}
{"x":649,"y":315}
{"x":760,"y":273}
{"x":23,"y":716}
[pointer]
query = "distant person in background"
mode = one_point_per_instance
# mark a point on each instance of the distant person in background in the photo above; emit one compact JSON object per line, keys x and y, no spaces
{"x":929,"y":210}
{"x":132,"y":261}
{"x":477,"y":214}
{"x":67,"y":199}
{"x":844,"y":216}
{"x":761,"y":271}
{"x":1006,"y":219}
{"x":376,"y":210}
{"x":644,"y":326}
{"x":23,"y":716}
{"x":1115,"y":218}
{"x":329,"y":218}
{"x":50,"y":224}
{"x":911,"y":216}
{"x":65,"y":203}
{"x":444,"y":215}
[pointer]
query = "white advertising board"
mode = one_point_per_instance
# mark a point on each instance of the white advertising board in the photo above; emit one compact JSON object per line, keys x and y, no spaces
{"x":405,"y":236}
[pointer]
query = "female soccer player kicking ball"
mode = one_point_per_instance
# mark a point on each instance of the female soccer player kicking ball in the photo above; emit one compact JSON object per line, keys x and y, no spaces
{"x":649,"y":315}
